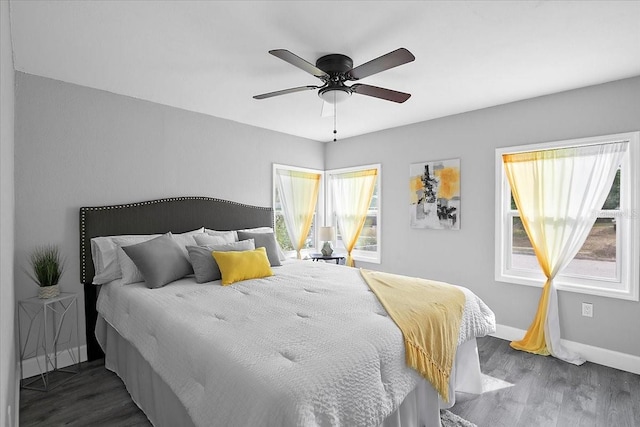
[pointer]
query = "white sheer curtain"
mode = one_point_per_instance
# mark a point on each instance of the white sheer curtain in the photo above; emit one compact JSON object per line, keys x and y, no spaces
{"x":298,"y":193}
{"x":558,"y":194}
{"x":352,"y":193}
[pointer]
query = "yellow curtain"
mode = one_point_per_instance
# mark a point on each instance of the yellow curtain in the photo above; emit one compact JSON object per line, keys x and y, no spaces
{"x":352,"y":193}
{"x":558,"y":194}
{"x":298,"y":193}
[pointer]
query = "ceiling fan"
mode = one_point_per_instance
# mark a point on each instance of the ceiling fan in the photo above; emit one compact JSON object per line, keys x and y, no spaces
{"x":336,"y":69}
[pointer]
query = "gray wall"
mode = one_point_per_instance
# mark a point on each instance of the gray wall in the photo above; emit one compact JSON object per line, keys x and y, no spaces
{"x":466,"y":257}
{"x":8,"y":377}
{"x":77,"y":146}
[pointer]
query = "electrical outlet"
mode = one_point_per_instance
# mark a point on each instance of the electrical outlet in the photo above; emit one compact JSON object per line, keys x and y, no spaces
{"x":587,"y":309}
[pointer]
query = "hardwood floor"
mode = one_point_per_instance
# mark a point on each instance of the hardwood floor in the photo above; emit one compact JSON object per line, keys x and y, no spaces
{"x":546,"y":392}
{"x":94,"y":397}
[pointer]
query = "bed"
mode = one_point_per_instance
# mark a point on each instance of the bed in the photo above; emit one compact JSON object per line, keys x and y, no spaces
{"x":310,"y":345}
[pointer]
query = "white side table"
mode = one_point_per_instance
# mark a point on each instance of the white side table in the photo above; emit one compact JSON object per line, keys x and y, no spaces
{"x":48,"y":319}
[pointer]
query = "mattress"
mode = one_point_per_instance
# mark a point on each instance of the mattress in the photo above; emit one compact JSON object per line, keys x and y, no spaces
{"x":308,"y":346}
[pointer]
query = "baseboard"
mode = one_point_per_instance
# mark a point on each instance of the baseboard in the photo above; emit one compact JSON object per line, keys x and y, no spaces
{"x":601,"y":356}
{"x":31,"y":368}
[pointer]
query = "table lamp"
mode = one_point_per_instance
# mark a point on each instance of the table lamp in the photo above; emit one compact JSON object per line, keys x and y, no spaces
{"x":327,"y":234}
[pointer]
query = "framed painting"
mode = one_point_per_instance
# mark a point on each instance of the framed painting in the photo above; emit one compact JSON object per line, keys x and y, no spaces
{"x":434,"y":194}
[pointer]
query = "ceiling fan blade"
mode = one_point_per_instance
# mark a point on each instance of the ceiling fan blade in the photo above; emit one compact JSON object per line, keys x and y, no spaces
{"x":295,"y":60}
{"x":382,"y":63}
{"x":285,"y":91}
{"x":380,"y":92}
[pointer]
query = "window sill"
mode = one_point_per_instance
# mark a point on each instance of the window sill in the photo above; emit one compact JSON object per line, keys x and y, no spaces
{"x":562,"y":284}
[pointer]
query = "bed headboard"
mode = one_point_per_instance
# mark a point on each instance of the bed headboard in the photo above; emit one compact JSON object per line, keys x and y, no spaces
{"x":178,"y":214}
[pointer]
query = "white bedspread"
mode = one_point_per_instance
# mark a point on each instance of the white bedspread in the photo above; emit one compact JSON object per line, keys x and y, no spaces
{"x":309,"y":346}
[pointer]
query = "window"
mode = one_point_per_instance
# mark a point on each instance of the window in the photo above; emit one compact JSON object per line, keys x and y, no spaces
{"x":608,"y":262}
{"x":367,"y":247}
{"x":282,"y":235}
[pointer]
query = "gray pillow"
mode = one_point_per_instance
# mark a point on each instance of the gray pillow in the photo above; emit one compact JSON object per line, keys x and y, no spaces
{"x":264,"y":240}
{"x":160,"y":260}
{"x":205,"y":266}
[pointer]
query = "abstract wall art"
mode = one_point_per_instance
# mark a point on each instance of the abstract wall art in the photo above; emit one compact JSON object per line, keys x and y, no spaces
{"x":434,"y":194}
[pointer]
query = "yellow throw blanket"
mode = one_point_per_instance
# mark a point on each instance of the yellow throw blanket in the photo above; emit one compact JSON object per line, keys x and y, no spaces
{"x":428,"y":313}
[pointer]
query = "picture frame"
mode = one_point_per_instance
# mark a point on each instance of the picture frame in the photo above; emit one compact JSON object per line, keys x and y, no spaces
{"x":434,"y":194}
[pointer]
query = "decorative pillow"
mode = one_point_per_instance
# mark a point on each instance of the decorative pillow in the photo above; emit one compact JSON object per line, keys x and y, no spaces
{"x":130,"y":273}
{"x":208,"y":240}
{"x":204,"y":265}
{"x":281,"y":254}
{"x":228,"y":236}
{"x":185,"y":239}
{"x":238,"y":266}
{"x":263,"y":240}
{"x":111,"y":256}
{"x":160,"y":260}
{"x":104,"y":251}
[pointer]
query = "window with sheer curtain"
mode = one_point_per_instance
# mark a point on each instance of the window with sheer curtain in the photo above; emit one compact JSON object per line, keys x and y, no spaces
{"x":348,"y":185}
{"x":296,"y":195}
{"x":607,"y":262}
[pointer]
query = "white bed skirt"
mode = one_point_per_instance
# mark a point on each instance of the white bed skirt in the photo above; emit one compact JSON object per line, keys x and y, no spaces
{"x":421,"y":407}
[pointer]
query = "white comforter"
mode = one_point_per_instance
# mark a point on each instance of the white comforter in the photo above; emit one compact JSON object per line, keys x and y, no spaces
{"x":310,"y":346}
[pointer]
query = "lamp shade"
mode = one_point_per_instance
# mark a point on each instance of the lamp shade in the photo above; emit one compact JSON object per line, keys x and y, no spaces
{"x":327,"y":234}
{"x":334,"y":95}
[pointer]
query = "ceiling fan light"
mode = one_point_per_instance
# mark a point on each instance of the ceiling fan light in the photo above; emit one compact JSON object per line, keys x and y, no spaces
{"x":334,"y":95}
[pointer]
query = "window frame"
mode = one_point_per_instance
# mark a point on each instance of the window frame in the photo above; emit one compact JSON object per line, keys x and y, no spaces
{"x":358,"y":255}
{"x":319,"y":214}
{"x":627,"y":227}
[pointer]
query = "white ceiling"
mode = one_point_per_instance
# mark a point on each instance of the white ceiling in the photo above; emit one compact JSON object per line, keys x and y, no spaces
{"x":211,"y":57}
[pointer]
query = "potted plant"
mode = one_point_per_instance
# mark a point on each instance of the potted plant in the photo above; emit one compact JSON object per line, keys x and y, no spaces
{"x":47,"y":265}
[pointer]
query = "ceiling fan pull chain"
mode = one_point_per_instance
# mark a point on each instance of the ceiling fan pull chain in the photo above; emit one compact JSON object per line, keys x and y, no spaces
{"x":335,"y":115}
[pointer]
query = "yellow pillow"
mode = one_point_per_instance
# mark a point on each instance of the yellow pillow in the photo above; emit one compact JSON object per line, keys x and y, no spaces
{"x":236,"y":266}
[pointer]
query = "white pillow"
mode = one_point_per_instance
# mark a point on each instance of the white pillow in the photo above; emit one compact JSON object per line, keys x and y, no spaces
{"x":104,"y":252}
{"x":105,"y":256}
{"x":227,"y":236}
{"x":97,"y":248}
{"x":258,"y":230}
{"x":208,"y":240}
{"x":186,"y":239}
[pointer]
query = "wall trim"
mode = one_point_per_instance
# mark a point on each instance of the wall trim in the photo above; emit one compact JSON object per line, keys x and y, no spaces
{"x":30,"y":366}
{"x":601,"y":356}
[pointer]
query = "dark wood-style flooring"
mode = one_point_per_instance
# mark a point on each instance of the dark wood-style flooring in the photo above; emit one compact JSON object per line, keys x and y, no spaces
{"x":546,"y":392}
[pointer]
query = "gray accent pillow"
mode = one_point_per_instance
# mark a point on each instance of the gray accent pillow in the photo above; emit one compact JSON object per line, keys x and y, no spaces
{"x":205,"y":266}
{"x":160,"y":260}
{"x":264,"y":240}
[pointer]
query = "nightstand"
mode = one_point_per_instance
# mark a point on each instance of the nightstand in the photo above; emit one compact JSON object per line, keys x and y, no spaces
{"x":49,"y":320}
{"x":337,"y":258}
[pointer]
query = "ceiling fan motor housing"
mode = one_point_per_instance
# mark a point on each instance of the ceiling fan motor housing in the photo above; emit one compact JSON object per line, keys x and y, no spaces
{"x":336,"y":65}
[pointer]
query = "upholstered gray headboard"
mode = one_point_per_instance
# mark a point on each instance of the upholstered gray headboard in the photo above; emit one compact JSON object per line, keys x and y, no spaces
{"x":178,"y":214}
